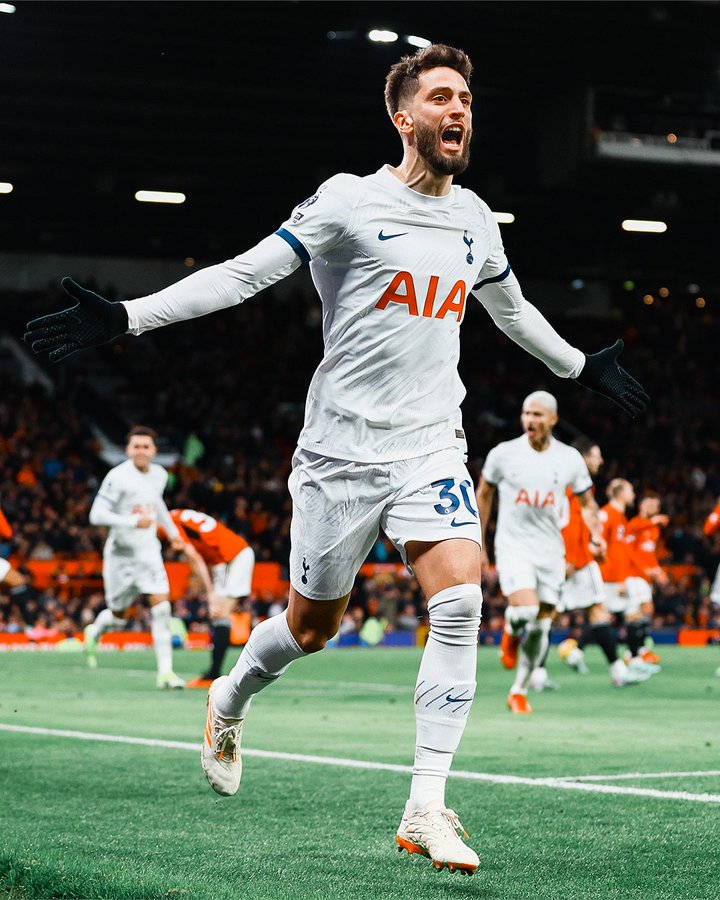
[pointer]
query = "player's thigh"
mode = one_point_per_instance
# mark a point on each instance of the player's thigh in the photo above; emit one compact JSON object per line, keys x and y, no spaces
{"x":337,"y":506}
{"x":120,"y":583}
{"x":313,"y":622}
{"x":431,"y":513}
{"x":444,"y":564}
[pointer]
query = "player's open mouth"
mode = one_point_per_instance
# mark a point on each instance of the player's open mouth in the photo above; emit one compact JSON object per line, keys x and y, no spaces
{"x":452,"y":137}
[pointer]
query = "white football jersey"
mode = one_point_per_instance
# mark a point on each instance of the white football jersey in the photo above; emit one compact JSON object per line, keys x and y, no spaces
{"x":531,"y":488}
{"x":393,"y":269}
{"x":128,"y":494}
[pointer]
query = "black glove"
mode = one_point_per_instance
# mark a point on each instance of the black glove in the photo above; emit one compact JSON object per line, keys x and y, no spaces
{"x":602,"y":374}
{"x":92,"y":321}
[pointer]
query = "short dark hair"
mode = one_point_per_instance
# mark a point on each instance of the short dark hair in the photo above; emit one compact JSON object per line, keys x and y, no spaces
{"x":402,"y":83}
{"x":141,"y":430}
{"x":584,"y":444}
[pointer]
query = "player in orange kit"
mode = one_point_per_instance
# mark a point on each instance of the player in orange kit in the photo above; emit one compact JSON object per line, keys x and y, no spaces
{"x":584,"y":589}
{"x":8,"y":575}
{"x":642,"y":535}
{"x":616,"y":567}
{"x":712,"y":524}
{"x":231,"y":561}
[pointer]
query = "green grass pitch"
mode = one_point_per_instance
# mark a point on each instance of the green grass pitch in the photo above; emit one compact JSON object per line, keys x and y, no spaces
{"x":95,"y":819}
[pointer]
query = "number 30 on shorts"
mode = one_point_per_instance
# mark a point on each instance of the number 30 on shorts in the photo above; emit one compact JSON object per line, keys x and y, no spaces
{"x":448,"y":495}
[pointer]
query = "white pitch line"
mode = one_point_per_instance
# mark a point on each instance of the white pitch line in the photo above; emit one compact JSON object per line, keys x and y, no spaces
{"x":629,"y":776}
{"x":367,"y":764}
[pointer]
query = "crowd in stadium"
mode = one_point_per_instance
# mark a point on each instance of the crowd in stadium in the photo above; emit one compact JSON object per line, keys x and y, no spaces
{"x":234,"y":414}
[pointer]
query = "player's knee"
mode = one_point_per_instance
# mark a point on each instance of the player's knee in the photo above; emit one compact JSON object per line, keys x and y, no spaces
{"x":455,"y":614}
{"x":312,"y":640}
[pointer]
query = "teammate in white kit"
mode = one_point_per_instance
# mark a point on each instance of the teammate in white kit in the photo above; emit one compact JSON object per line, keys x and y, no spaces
{"x":130,"y":503}
{"x":531,"y":474}
{"x":394,"y":257}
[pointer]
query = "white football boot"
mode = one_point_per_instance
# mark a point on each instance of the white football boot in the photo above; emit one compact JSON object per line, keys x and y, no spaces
{"x":623,"y":676}
{"x":433,"y":832}
{"x":221,"y":748}
{"x":169,"y":681}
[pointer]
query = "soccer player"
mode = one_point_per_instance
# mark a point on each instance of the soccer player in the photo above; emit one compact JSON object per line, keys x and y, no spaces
{"x":620,"y":598}
{"x":584,"y":589}
{"x":712,"y":524}
{"x":394,"y":256}
{"x":642,"y":536}
{"x":232,"y":561}
{"x":130,"y":503}
{"x":531,"y":474}
{"x":9,"y":576}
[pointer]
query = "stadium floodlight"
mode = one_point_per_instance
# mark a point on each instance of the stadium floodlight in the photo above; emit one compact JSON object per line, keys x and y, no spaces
{"x":503,"y":218}
{"x":5,"y":187}
{"x":417,"y":41}
{"x":160,"y":197}
{"x":645,"y":225}
{"x":381,"y":36}
{"x":7,"y":8}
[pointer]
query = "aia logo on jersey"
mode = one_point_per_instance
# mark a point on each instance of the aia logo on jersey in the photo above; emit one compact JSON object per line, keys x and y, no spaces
{"x":146,"y":510}
{"x":402,"y":290}
{"x":534,"y":499}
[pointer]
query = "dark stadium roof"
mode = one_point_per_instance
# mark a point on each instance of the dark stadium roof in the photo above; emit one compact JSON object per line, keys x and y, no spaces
{"x":246,"y":107}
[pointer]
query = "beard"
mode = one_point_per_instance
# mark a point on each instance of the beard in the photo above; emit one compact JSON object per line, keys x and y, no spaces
{"x":428,"y":147}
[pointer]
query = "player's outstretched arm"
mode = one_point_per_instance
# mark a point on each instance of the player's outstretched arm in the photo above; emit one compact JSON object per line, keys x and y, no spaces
{"x":602,"y":374}
{"x":525,"y":324}
{"x":93,"y":320}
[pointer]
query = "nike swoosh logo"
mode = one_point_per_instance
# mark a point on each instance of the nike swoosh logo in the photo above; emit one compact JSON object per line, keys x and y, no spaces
{"x":458,"y":699}
{"x":460,"y":524}
{"x":387,"y":237}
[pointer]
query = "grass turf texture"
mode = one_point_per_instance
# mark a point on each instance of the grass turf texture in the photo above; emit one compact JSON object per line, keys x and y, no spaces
{"x":99,"y":820}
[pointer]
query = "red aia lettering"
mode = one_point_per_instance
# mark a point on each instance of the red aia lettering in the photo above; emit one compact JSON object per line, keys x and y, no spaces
{"x":534,"y":499}
{"x":402,"y":290}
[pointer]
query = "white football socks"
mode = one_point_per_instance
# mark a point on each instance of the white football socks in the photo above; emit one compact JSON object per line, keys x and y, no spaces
{"x":162,"y":639}
{"x":105,"y":620}
{"x":532,"y":650}
{"x":266,"y":656}
{"x":517,"y":617}
{"x":445,"y":689}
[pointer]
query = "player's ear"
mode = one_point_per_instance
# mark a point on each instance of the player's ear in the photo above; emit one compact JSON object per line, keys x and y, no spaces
{"x":403,"y":121}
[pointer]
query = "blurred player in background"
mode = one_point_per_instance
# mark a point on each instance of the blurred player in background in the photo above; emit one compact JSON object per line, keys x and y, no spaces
{"x":712,"y":524}
{"x":130,"y":503}
{"x":231,"y":561}
{"x":393,"y":256}
{"x":615,"y":567}
{"x":531,"y":474}
{"x":642,"y":535}
{"x":9,"y":576}
{"x":584,"y":589}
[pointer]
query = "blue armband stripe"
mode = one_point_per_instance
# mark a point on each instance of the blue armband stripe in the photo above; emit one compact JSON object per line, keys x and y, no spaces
{"x":501,"y":277}
{"x":295,"y":244}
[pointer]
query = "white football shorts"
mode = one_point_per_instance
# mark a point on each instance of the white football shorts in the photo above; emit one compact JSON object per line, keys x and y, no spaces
{"x":584,"y":588}
{"x":715,"y":589}
{"x":339,"y":507}
{"x":4,"y":568}
{"x":234,"y":579}
{"x":639,"y":591}
{"x":520,"y":573}
{"x":620,"y":598}
{"x":124,"y":577}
